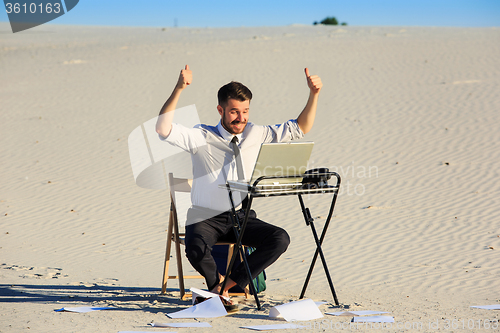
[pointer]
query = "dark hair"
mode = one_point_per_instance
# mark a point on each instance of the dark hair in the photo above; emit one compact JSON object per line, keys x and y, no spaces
{"x":233,"y":90}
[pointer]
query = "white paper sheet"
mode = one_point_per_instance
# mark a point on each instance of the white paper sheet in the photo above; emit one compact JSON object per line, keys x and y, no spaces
{"x":210,"y":308}
{"x":487,"y":307}
{"x":177,"y":325}
{"x":84,"y":309}
{"x":373,"y":319}
{"x":272,"y":327}
{"x":203,"y":293}
{"x":301,"y":310}
{"x":355,"y":313}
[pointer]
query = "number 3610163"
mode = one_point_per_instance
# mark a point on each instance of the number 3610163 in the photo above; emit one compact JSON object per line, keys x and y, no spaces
{"x":33,"y":8}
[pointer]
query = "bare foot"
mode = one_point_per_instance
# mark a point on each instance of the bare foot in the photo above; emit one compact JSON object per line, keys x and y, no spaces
{"x":226,"y":294}
{"x":229,"y":284}
{"x":216,"y":289}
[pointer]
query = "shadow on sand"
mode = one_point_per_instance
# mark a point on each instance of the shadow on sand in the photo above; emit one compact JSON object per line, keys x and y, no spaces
{"x":123,"y":298}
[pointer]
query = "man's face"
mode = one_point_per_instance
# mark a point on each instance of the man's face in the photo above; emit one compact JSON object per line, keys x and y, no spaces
{"x":234,"y":117}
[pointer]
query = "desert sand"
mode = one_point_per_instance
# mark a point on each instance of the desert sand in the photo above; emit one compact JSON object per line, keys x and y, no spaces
{"x":408,"y":116}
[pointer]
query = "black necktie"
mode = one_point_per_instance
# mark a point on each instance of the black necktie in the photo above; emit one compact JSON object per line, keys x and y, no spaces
{"x":237,"y":156}
{"x":239,"y":166}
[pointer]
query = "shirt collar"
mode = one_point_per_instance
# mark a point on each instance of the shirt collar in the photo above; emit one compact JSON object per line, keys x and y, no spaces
{"x":226,"y":135}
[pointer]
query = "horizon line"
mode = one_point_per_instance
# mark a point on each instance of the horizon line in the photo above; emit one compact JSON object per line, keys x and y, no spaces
{"x":260,"y":26}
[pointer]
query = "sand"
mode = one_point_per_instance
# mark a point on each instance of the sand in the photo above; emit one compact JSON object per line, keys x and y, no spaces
{"x":408,"y":117}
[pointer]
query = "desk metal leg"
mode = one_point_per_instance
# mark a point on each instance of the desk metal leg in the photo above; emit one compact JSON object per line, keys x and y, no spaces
{"x":239,"y":230}
{"x":315,"y":257}
{"x":310,"y":221}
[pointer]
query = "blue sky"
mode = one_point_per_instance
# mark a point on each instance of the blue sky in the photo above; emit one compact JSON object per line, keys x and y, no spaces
{"x":197,"y":13}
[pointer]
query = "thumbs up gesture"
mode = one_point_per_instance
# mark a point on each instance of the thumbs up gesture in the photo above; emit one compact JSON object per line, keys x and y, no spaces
{"x":185,"y":78}
{"x":313,"y":82}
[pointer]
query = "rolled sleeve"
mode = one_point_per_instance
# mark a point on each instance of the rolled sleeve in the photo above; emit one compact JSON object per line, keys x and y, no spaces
{"x":284,"y":132}
{"x":188,"y":139}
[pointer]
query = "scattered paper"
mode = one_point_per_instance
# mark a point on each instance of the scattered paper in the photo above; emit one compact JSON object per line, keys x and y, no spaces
{"x":487,"y":307}
{"x":272,"y":327}
{"x":84,"y":309}
{"x":210,"y":308}
{"x":304,"y":309}
{"x":355,"y":313}
{"x":373,"y":319}
{"x":177,"y":325}
{"x":203,"y":293}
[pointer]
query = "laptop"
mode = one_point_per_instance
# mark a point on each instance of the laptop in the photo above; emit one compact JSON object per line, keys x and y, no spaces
{"x":278,"y":159}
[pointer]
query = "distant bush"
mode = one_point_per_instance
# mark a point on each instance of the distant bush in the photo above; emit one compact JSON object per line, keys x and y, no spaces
{"x":330,"y":21}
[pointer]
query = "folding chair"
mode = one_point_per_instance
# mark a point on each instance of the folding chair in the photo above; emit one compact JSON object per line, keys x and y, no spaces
{"x":173,"y":235}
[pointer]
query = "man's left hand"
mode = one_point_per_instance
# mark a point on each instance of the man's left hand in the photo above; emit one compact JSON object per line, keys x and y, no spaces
{"x":313,"y":82}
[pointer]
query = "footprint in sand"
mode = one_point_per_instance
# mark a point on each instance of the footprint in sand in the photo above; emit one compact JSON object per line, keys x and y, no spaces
{"x":36,"y":272}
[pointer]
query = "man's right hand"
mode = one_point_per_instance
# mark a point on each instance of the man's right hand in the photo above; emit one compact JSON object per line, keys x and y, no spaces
{"x":185,"y":78}
{"x":164,"y":123}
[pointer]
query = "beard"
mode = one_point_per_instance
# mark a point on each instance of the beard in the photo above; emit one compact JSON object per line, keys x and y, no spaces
{"x":232,"y":127}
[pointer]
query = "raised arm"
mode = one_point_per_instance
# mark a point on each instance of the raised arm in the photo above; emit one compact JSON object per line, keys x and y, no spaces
{"x":307,"y":116}
{"x":164,"y":123}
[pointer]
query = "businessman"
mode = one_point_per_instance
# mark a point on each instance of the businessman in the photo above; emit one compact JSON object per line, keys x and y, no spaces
{"x":228,"y":151}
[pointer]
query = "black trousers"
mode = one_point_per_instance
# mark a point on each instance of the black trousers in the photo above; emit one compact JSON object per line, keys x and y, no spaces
{"x":270,"y":242}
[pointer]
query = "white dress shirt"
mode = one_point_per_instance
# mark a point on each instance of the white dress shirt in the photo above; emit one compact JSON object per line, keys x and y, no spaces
{"x":213,"y":158}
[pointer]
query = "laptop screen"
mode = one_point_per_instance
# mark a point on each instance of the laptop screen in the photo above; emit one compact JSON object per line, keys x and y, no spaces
{"x":282,"y":159}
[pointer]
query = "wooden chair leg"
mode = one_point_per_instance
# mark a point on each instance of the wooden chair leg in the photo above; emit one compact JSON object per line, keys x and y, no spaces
{"x":246,"y":290}
{"x":230,"y":251}
{"x":167,"y":254}
{"x":178,"y":255}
